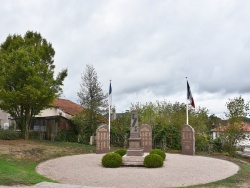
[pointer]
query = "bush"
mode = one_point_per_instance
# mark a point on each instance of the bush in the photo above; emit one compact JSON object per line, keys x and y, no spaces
{"x":202,"y":143}
{"x":10,"y":135}
{"x":158,"y":152}
{"x":67,"y":135}
{"x":217,"y":145}
{"x":111,"y":160}
{"x":121,"y":152}
{"x":153,"y":161}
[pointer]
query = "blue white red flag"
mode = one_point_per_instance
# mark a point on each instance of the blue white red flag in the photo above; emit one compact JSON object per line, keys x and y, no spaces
{"x":189,"y":96}
{"x":110,"y":95}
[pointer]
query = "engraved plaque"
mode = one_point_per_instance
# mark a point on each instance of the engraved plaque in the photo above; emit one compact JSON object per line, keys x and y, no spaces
{"x":102,"y":139}
{"x":188,"y":140}
{"x":146,"y":132}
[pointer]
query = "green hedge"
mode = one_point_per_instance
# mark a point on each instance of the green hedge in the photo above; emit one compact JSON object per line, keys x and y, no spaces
{"x":121,"y":152}
{"x":158,"y":152}
{"x":10,"y":135}
{"x":153,"y":161}
{"x":111,"y":160}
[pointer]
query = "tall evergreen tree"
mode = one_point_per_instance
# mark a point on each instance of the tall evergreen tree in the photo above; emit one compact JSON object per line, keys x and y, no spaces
{"x":92,"y":98}
{"x":27,"y":83}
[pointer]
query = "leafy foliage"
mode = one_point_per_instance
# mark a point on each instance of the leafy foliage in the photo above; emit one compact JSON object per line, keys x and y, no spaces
{"x":9,"y":135}
{"x":166,"y":120}
{"x":93,"y":99}
{"x":112,"y":160}
{"x":158,"y":152}
{"x":120,"y":129}
{"x":237,"y":110}
{"x":121,"y":152}
{"x":27,"y":83}
{"x":167,"y":137}
{"x":217,"y":145}
{"x":67,"y":135}
{"x":82,"y":127}
{"x":153,"y":161}
{"x":202,"y":143}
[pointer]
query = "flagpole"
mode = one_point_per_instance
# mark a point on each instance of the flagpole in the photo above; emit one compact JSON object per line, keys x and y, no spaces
{"x":110,"y":90}
{"x":187,"y":104}
{"x":187,"y":113}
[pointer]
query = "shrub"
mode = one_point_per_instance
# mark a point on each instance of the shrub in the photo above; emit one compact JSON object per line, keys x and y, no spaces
{"x":202,"y":143}
{"x":158,"y":152}
{"x":67,"y":135}
{"x":111,"y":160}
{"x":217,"y":145}
{"x":10,"y":135}
{"x":153,"y":161}
{"x":121,"y":152}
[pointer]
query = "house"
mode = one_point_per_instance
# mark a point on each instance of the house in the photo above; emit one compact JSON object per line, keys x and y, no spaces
{"x":55,"y":118}
{"x":6,"y":121}
{"x":245,"y":141}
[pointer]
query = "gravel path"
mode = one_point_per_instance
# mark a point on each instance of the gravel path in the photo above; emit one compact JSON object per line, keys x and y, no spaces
{"x":178,"y":170}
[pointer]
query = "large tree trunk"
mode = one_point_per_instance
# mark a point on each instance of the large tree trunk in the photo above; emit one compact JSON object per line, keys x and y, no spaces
{"x":26,"y":131}
{"x":23,"y":125}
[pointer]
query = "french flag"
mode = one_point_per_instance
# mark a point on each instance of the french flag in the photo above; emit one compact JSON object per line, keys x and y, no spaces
{"x":110,"y":95}
{"x":189,"y":96}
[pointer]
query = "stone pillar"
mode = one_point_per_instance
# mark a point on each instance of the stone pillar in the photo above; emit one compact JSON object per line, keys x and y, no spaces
{"x":135,"y":148}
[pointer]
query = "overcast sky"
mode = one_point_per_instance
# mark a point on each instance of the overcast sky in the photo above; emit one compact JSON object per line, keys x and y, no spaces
{"x":145,"y":47}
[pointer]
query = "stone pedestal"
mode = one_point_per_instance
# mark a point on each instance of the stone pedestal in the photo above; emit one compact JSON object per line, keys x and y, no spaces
{"x":133,"y":160}
{"x":135,"y":148}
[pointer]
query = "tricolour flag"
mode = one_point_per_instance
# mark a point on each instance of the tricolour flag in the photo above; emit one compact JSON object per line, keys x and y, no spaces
{"x":110,"y":95}
{"x":189,"y":96}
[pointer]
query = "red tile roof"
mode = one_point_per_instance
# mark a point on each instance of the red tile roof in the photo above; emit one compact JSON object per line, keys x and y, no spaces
{"x":67,"y":106}
{"x":245,"y":126}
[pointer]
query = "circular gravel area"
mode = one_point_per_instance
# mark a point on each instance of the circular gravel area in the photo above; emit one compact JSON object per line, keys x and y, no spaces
{"x":178,"y":170}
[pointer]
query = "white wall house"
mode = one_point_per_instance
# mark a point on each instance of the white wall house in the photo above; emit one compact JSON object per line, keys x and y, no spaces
{"x":54,"y":111}
{"x":245,"y":141}
{"x":60,"y":107}
{"x":4,"y":119}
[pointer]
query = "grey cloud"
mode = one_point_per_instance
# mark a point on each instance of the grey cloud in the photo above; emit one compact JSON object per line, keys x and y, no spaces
{"x":146,"y":48}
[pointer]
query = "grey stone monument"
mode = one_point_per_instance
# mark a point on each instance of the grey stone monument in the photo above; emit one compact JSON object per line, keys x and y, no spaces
{"x":187,"y":140}
{"x":135,"y":155}
{"x":135,"y":148}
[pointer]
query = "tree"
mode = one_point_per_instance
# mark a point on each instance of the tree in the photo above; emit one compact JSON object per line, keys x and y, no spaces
{"x":27,"y":84}
{"x":92,"y":98}
{"x":166,"y":120}
{"x":237,"y":110}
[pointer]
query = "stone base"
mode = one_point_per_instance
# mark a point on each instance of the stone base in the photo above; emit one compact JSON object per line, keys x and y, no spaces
{"x":135,"y":152}
{"x":133,"y":160}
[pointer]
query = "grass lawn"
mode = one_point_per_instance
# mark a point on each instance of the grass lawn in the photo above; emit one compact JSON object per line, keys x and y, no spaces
{"x":240,"y":180}
{"x":19,"y":158}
